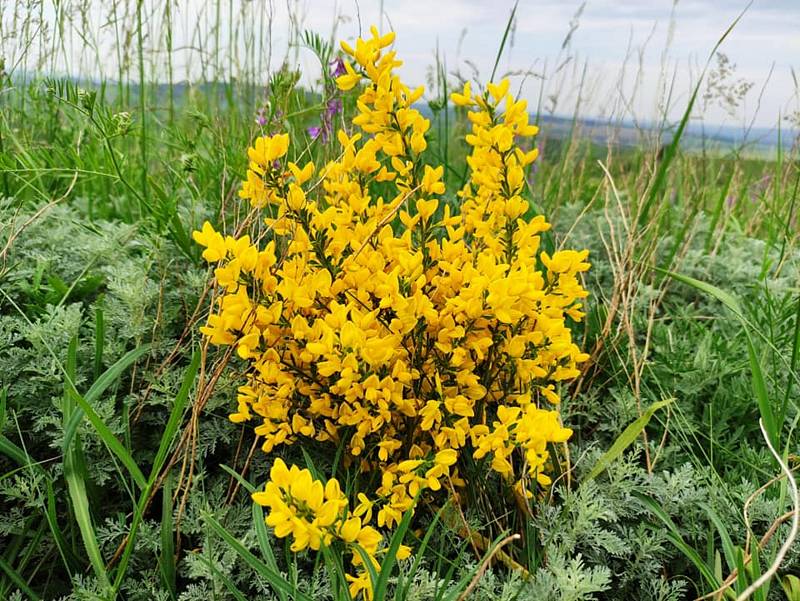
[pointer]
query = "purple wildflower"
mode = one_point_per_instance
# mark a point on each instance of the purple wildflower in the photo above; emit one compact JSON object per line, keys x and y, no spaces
{"x":324,"y":130}
{"x":261,"y":117}
{"x":338,"y":69}
{"x":334,"y":107}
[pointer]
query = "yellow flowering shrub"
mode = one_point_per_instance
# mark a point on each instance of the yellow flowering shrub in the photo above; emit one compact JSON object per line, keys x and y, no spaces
{"x":421,"y":333}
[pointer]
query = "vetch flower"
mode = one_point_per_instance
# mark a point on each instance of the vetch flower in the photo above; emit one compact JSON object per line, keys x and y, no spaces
{"x":337,"y":67}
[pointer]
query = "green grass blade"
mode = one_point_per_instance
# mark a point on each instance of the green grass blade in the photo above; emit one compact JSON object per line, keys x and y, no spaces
{"x":315,"y":473}
{"x":791,"y":587}
{"x":67,"y":556}
{"x":113,"y":373}
{"x":660,"y":180}
{"x":80,"y":508}
{"x":404,"y":584}
{"x":276,"y":580}
{"x":760,"y":391}
{"x":108,"y":438}
{"x":334,"y":565}
{"x":676,"y":539}
{"x":760,"y":594}
{"x":741,"y":570}
{"x":12,"y":451}
{"x":727,"y":543}
{"x":166,"y":562}
{"x":178,"y":407}
{"x":390,"y":559}
{"x":99,"y":342}
{"x":262,"y":537}
{"x":106,"y":379}
{"x":373,"y":573}
{"x":792,"y":362}
{"x":164,"y":446}
{"x":625,"y":439}
{"x":509,"y":23}
{"x":757,"y":373}
{"x":17,"y":579}
{"x":238,"y":477}
{"x":74,"y":474}
{"x":717,"y":212}
{"x":727,"y":299}
{"x":3,"y":404}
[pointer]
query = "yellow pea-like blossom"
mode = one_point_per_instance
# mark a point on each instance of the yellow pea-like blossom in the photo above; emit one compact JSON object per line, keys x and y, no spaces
{"x":216,"y":250}
{"x":268,"y":149}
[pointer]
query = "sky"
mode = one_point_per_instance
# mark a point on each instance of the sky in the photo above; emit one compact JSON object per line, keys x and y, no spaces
{"x":626,"y":59}
{"x":628,"y":54}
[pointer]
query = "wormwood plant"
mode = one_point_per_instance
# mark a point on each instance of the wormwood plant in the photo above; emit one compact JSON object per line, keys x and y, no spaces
{"x":422,"y":341}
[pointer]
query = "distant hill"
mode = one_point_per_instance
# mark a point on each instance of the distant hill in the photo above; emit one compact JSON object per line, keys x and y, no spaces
{"x":696,"y":136}
{"x":756,"y":140}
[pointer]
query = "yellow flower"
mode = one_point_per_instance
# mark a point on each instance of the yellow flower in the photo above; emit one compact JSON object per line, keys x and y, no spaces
{"x":296,"y":197}
{"x":268,"y":149}
{"x":349,"y":80}
{"x":301,"y":176}
{"x":427,"y":208}
{"x":498,"y":91}
{"x":446,"y":458}
{"x":216,"y":249}
{"x":350,"y":530}
{"x":464,"y":98}
{"x":360,"y":584}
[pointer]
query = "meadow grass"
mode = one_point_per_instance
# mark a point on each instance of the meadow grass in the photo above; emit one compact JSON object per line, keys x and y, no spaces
{"x":120,"y":475}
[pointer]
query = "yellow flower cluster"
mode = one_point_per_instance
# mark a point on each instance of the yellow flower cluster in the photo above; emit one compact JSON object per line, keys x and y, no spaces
{"x":315,"y":514}
{"x":378,"y":315}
